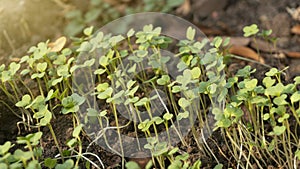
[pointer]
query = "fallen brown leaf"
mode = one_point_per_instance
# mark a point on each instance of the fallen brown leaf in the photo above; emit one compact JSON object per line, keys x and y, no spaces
{"x":296,"y":29}
{"x":246,"y":52}
{"x":238,"y":41}
{"x":293,"y":54}
{"x":58,"y":44}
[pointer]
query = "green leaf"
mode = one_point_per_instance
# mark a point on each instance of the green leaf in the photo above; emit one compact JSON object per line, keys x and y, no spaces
{"x":105,"y":94}
{"x":6,"y":76}
{"x":102,"y":87}
{"x":219,"y":166}
{"x":250,"y":84}
{"x":66,"y":165}
{"x":5,"y":147}
{"x":130,"y":83}
{"x":115,"y":40}
{"x":245,"y":72}
{"x":158,"y":120}
{"x":77,"y":131}
{"x":88,"y":31}
{"x":190,"y":33}
{"x":132,"y":91}
{"x":34,"y":164}
{"x":37,"y":75}
{"x":22,"y":155}
{"x":25,"y":101}
{"x":182,"y":102}
{"x":272,"y":72}
{"x":183,"y":115}
{"x":168,"y":116}
{"x":141,"y":102}
{"x":295,"y":97}
{"x":176,"y":164}
{"x":297,"y":80}
{"x":132,"y":165}
{"x":163,"y":80}
{"x":41,"y":67}
{"x":72,"y":142}
{"x":130,"y":33}
{"x":297,"y":154}
{"x":46,"y":119}
{"x":148,"y":28}
{"x":217,"y":41}
{"x":78,"y":99}
{"x":99,"y":71}
{"x":278,"y":130}
{"x":103,"y":113}
{"x":63,"y":70}
{"x":25,"y":72}
{"x":160,"y":149}
{"x":84,"y":47}
{"x":103,"y":61}
{"x":176,"y":89}
{"x":182,"y":157}
{"x":14,"y":67}
{"x":50,"y":163}
{"x":268,"y":81}
{"x":35,"y":138}
{"x":250,"y":30}
{"x":275,"y":90}
{"x":56,"y":81}
{"x":280,"y":101}
{"x":3,"y":166}
{"x":141,"y":53}
{"x":284,"y":117}
{"x":89,"y":63}
{"x":266,"y":116}
{"x":51,"y":94}
{"x":196,"y":72}
{"x":212,"y":88}
{"x":132,"y":69}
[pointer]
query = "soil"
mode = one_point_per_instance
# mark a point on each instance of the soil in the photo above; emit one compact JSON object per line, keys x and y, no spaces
{"x":228,"y":21}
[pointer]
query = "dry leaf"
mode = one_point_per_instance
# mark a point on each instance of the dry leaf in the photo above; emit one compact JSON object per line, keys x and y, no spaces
{"x":296,"y":29}
{"x":293,"y":54}
{"x":15,"y":59}
{"x":246,"y":52}
{"x":238,"y":41}
{"x":58,"y":44}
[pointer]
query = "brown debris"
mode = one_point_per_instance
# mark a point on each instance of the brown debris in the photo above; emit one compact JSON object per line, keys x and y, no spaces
{"x":293,"y":54}
{"x":238,"y":41}
{"x":296,"y":29}
{"x":246,"y":52}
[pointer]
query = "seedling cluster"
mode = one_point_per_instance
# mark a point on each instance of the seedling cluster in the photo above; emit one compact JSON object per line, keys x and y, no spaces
{"x":134,"y":93}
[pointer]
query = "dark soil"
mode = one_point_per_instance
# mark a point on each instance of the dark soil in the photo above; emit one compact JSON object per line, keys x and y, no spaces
{"x":229,"y":21}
